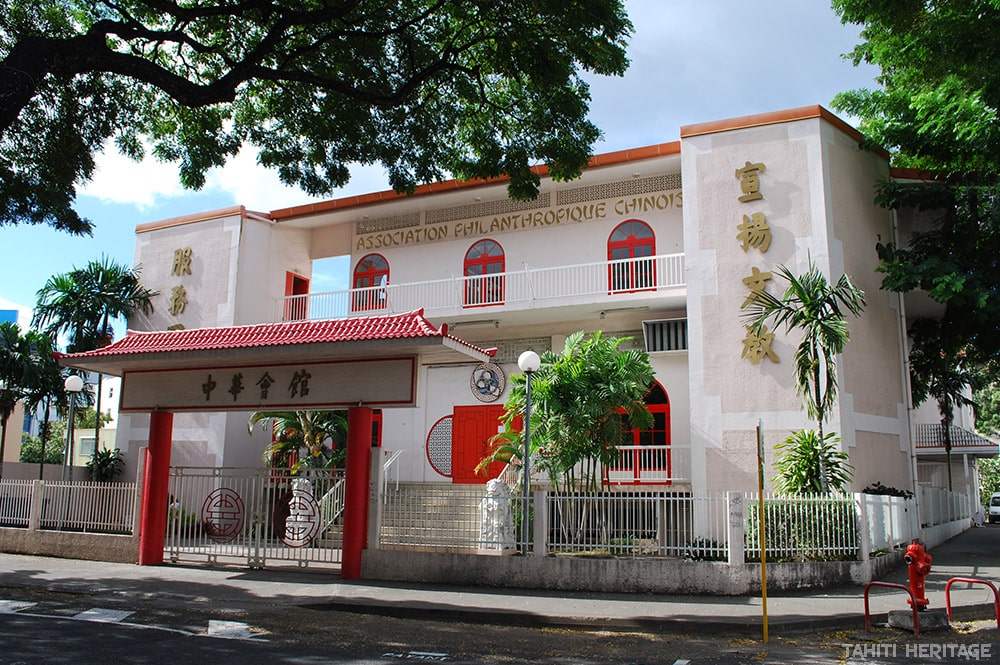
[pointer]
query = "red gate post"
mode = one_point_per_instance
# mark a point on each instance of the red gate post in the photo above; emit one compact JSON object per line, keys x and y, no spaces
{"x":359,"y":456}
{"x":153,"y":524}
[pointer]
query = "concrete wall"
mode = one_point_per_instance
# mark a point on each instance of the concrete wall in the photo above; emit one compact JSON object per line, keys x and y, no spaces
{"x":615,"y":575}
{"x":70,"y":545}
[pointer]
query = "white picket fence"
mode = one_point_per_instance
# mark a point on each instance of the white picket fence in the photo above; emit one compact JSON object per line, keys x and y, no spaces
{"x":642,"y":524}
{"x":68,"y":506}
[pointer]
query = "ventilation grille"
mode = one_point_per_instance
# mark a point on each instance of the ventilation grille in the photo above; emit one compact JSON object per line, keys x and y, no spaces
{"x":487,"y":209}
{"x":665,"y":335}
{"x":614,"y":190}
{"x":439,"y":446}
{"x":509,"y":350}
{"x":388,"y":223}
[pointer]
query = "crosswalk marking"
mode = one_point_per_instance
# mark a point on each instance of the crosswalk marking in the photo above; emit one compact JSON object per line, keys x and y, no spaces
{"x":229,"y":629}
{"x":11,"y":606}
{"x":235,"y":630}
{"x":103,"y":614}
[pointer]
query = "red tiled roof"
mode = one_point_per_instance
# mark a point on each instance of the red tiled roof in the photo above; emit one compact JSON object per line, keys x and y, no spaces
{"x":411,"y":325}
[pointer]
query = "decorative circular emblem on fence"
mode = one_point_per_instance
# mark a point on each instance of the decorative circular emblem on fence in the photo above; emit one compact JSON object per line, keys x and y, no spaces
{"x":487,"y":382}
{"x":302,"y":524}
{"x":222,"y":515}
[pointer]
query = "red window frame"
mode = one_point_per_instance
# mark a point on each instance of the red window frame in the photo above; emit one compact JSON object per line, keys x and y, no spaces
{"x":371,"y":270}
{"x":484,"y":264}
{"x":632,"y":239}
{"x":658,"y":402}
{"x":296,"y":303}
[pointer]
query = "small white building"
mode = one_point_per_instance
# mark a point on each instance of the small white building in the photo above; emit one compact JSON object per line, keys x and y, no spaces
{"x":662,"y":243}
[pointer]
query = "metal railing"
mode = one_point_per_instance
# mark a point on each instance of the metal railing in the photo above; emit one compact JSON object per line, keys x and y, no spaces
{"x":650,"y":465}
{"x":253,"y":515}
{"x":570,"y":284}
{"x":432,"y":517}
{"x":636,"y":524}
{"x":68,"y":506}
{"x":651,"y":523}
{"x":15,"y":502}
{"x":805,"y":528}
{"x":940,"y":506}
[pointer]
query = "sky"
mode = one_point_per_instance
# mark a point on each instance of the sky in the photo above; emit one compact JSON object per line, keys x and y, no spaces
{"x":692,"y":61}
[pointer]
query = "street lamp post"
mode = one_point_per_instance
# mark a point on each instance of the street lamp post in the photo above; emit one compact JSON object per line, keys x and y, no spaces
{"x":73,"y":384}
{"x":529,"y":363}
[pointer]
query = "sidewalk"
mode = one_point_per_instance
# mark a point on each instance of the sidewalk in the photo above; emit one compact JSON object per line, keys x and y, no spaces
{"x":975,"y":553}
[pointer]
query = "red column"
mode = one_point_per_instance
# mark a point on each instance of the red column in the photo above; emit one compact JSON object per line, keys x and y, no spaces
{"x":153,"y":525}
{"x":359,"y":456}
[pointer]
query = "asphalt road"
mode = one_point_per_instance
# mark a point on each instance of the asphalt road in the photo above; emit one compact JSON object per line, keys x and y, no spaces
{"x":45,"y":627}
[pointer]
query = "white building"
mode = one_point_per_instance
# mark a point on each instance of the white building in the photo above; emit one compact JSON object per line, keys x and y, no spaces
{"x":662,"y":243}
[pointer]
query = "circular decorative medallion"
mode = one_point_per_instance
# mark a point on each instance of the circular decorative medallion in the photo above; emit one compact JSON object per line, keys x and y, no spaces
{"x":487,"y":382}
{"x":222,"y":515}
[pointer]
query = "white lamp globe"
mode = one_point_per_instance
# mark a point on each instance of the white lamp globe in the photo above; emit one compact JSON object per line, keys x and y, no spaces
{"x":73,"y":383}
{"x":529,"y":361}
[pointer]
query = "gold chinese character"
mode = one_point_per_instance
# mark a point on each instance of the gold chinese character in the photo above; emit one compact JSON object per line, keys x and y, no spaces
{"x":178,"y":300}
{"x":756,"y":283}
{"x":757,"y":346}
{"x":749,"y":177}
{"x":182,"y":262}
{"x":754,"y":231}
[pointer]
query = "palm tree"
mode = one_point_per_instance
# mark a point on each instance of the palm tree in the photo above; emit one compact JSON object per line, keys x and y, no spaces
{"x":818,"y":310}
{"x":82,"y":303}
{"x":583,"y":401}
{"x":26,"y":373}
{"x":321,"y":434}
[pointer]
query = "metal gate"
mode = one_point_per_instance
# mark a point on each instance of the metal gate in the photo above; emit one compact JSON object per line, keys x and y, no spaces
{"x":256,"y":516}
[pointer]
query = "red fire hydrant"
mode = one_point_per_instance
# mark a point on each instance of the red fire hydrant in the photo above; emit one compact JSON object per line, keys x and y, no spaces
{"x":918,"y":561}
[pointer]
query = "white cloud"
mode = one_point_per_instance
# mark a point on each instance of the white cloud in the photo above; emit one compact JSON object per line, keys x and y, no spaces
{"x":118,"y":179}
{"x":23,"y":313}
{"x":260,"y":189}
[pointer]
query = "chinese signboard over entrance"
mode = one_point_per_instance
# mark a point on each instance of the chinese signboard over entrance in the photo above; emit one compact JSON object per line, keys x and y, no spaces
{"x":255,"y":387}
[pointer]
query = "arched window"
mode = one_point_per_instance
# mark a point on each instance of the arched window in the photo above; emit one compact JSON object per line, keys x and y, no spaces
{"x":370,"y":277}
{"x":484,"y":266}
{"x":644,"y":455}
{"x":629,"y":269}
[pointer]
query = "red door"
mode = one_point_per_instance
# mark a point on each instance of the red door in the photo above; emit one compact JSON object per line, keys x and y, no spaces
{"x":472,"y":428}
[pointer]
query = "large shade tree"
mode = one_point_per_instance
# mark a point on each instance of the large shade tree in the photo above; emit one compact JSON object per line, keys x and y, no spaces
{"x":82,"y":305}
{"x":428,"y":88}
{"x":937,"y":112}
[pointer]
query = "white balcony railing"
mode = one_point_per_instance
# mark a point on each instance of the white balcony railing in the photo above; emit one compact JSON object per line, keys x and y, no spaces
{"x":603,"y":281}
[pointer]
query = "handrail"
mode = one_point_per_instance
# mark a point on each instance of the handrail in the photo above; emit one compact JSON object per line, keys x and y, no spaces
{"x":913,"y":606}
{"x":610,"y":280}
{"x":972,"y":580}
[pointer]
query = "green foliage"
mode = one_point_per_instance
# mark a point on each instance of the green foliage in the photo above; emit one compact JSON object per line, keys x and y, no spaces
{"x":87,"y":418}
{"x":937,"y":106}
{"x":106,"y":465}
{"x":471,"y":89}
{"x":581,"y":403}
{"x":55,"y":447}
{"x":80,"y":304}
{"x":28,"y":373}
{"x":817,"y":309}
{"x":303,"y":439}
{"x":987,"y":401}
{"x":809,"y":464}
{"x":936,"y":111}
{"x":989,"y":478}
